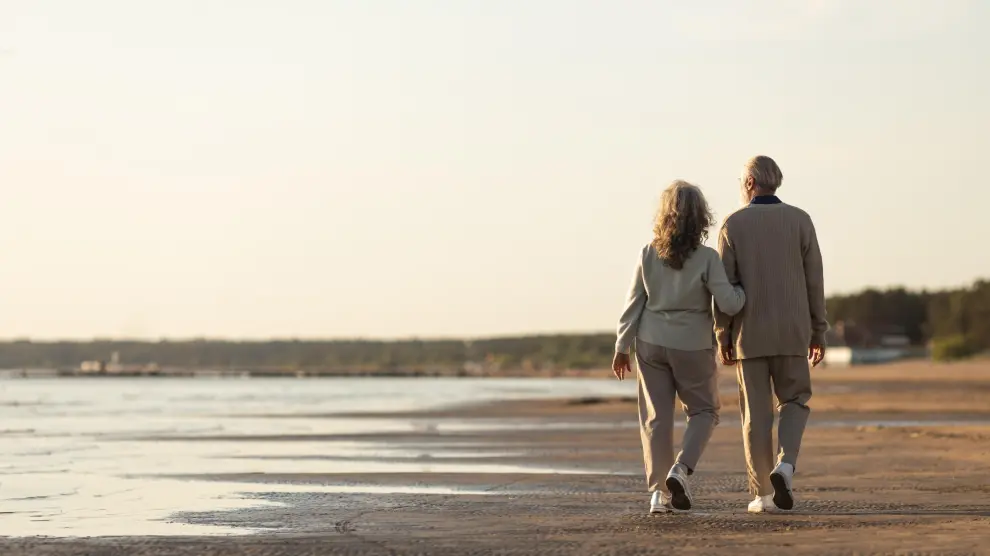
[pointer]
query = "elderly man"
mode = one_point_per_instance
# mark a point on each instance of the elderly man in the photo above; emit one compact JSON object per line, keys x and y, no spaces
{"x":770,"y":248}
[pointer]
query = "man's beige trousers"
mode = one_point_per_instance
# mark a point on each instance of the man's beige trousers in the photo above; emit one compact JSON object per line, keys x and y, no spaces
{"x":760,"y":378}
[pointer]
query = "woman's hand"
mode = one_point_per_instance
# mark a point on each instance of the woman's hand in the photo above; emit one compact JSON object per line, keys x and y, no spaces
{"x":725,"y":356}
{"x":621,"y":366}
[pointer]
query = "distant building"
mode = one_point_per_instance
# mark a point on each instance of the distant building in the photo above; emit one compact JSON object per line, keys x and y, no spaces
{"x":114,"y":366}
{"x":844,"y":356}
{"x":895,"y":340}
{"x":92,"y":367}
{"x":854,"y":335}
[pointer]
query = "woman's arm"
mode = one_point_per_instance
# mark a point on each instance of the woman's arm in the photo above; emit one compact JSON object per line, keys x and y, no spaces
{"x":635,"y":304}
{"x":728,"y":298}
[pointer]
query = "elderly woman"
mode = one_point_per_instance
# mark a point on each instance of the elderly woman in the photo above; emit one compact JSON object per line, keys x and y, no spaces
{"x":668,"y":314}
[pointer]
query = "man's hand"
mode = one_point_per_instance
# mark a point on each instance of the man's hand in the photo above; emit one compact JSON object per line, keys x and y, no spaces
{"x":621,"y":366}
{"x":725,"y":355}
{"x":816,"y":353}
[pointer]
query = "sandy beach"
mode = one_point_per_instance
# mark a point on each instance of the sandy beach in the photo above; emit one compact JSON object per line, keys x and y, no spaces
{"x":896,"y":461}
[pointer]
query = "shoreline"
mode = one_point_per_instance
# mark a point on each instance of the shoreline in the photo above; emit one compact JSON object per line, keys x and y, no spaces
{"x":925,"y":370}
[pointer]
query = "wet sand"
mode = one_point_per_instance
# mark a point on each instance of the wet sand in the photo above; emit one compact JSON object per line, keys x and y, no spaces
{"x":897,"y":460}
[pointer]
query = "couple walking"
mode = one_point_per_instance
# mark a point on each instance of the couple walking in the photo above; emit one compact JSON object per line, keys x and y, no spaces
{"x":766,"y":281}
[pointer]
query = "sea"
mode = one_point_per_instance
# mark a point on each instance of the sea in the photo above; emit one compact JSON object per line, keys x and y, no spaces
{"x":108,"y":456}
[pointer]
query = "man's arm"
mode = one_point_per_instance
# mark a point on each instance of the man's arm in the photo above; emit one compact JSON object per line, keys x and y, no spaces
{"x":814,"y":275}
{"x":723,"y":321}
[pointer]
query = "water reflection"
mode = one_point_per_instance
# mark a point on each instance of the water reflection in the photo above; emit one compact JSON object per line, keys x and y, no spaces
{"x":86,"y":457}
{"x":75,"y":505}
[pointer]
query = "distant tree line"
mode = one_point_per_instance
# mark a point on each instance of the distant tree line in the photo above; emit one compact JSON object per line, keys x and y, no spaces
{"x":956,"y":323}
{"x":560,"y":352}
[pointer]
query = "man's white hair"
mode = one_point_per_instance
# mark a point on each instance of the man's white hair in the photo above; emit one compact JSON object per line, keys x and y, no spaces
{"x":764,"y":171}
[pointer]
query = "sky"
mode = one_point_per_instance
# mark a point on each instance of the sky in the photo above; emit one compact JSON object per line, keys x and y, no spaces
{"x":460,"y":168}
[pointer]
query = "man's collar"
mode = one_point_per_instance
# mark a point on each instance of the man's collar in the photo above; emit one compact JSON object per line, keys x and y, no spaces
{"x":765,"y":200}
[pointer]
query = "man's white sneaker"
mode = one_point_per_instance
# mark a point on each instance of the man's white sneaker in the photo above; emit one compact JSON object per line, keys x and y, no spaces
{"x":762,"y":504}
{"x":659,"y":503}
{"x":783,"y":496}
{"x":677,"y":484}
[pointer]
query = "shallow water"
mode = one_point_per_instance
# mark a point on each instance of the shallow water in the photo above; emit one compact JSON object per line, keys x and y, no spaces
{"x":95,"y":457}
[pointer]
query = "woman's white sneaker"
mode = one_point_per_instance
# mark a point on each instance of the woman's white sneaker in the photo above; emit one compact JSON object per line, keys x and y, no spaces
{"x":659,"y":503}
{"x":762,"y":504}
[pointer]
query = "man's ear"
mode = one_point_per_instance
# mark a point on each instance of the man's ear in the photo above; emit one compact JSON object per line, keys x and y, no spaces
{"x":750,"y":183}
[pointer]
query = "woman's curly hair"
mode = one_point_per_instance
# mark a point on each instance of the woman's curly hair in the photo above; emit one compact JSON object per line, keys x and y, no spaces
{"x":682,"y":223}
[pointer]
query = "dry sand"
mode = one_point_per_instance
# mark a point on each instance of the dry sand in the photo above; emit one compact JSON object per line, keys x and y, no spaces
{"x":897,"y":461}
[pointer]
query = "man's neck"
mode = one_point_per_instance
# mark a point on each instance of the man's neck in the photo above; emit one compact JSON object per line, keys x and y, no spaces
{"x":764,"y":197}
{"x":761,"y":192}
